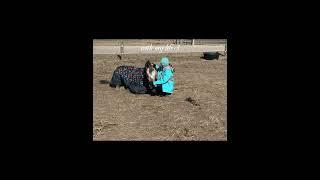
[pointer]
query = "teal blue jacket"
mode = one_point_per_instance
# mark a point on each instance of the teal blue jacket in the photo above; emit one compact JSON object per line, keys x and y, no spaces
{"x":165,"y":78}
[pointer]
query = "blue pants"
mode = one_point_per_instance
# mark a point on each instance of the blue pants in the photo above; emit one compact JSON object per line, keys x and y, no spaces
{"x":160,"y":92}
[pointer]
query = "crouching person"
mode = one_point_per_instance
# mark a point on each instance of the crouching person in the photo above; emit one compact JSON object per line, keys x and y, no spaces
{"x":165,"y":81}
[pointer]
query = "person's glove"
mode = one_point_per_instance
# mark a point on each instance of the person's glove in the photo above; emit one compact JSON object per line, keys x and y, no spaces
{"x":172,"y":67}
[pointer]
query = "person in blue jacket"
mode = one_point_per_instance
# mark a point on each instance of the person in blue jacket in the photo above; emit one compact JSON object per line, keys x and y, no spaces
{"x":165,"y":80}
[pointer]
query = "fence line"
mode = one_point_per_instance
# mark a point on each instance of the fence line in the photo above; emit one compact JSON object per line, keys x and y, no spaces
{"x":157,"y":49}
{"x":135,"y":42}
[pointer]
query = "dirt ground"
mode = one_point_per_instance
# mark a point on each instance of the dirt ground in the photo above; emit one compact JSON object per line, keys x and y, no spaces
{"x":121,"y":115}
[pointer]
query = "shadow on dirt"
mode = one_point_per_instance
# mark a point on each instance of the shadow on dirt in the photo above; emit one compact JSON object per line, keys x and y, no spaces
{"x":104,"y":82}
{"x":192,"y":101}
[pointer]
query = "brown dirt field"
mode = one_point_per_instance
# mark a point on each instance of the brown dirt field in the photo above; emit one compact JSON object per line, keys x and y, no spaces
{"x":121,"y":115}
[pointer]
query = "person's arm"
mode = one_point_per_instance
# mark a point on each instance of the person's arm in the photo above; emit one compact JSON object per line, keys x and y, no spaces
{"x":166,"y":76}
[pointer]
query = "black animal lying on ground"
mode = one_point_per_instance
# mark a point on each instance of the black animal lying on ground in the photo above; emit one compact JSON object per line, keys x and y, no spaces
{"x":137,"y":80}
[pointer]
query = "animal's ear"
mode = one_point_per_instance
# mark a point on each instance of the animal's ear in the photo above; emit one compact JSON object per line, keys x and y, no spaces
{"x":148,"y":63}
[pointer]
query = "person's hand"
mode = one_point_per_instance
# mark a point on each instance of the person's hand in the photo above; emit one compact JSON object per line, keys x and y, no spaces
{"x":172,"y":67}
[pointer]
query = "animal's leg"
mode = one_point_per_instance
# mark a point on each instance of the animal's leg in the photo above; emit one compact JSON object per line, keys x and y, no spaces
{"x":116,"y":79}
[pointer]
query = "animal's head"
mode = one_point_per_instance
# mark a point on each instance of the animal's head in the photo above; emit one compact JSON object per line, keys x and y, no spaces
{"x":151,"y":71}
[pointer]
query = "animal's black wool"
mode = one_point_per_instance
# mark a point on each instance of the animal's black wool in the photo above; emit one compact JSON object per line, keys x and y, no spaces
{"x":133,"y":78}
